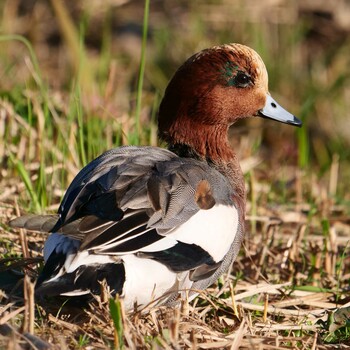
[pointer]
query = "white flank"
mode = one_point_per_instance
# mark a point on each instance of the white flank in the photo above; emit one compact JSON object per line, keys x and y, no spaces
{"x":145,"y":281}
{"x":213,"y":230}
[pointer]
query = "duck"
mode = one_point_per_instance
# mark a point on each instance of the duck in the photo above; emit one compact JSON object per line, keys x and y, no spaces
{"x":161,"y":224}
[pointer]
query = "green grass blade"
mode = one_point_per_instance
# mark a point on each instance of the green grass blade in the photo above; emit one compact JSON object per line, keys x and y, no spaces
{"x":27,"y":182}
{"x":141,"y":71}
{"x":115,"y":310}
{"x":27,"y":44}
{"x":73,"y":38}
{"x":81,"y":135}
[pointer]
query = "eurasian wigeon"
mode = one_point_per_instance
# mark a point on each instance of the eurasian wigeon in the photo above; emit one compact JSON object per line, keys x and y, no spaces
{"x":156,"y":222}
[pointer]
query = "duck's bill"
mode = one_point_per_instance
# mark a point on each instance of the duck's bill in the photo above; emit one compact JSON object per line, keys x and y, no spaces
{"x":273,"y":110}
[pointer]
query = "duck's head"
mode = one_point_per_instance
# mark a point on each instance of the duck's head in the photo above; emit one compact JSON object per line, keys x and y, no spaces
{"x":213,"y":89}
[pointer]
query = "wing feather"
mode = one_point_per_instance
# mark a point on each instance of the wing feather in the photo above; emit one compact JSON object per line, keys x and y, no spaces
{"x":132,"y":197}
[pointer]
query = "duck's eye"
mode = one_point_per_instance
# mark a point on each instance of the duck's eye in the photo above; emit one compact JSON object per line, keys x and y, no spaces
{"x":241,"y":79}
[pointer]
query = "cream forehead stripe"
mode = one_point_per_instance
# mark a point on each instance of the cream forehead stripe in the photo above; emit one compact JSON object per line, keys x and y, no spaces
{"x":245,"y":50}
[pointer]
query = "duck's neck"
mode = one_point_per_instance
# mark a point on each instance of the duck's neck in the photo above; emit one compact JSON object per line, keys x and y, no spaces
{"x":210,"y":144}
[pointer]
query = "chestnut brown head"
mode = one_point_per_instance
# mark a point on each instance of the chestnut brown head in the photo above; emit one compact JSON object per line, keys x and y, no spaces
{"x":215,"y":88}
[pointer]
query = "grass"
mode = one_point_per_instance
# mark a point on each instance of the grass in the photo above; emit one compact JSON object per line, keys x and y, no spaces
{"x":289,"y":288}
{"x":116,"y":315}
{"x":141,"y":72}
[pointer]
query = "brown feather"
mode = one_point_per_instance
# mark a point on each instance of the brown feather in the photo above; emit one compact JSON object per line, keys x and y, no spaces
{"x":204,"y":195}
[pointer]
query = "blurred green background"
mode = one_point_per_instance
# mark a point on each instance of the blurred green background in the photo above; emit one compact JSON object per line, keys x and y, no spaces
{"x":69,"y":73}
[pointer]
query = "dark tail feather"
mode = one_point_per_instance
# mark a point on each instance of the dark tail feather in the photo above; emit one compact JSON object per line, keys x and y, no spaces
{"x":12,"y":272}
{"x":84,"y":280}
{"x":51,"y":267}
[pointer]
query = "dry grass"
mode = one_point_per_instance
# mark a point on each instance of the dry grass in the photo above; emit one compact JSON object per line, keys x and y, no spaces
{"x":289,"y":281}
{"x":289,"y":288}
{"x":260,"y":305}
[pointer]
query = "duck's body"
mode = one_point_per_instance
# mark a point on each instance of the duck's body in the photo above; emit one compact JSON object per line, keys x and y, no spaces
{"x":123,"y":222}
{"x":154,"y":222}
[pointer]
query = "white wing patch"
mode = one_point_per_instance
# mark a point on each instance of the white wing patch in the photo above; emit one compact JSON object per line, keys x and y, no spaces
{"x":213,"y":230}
